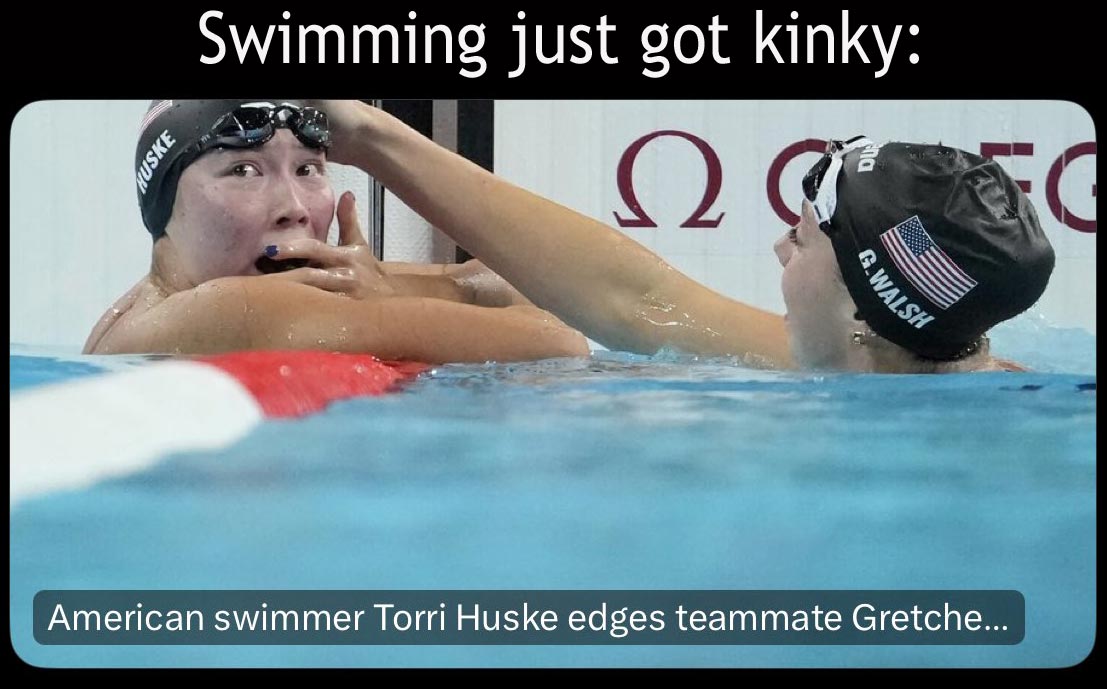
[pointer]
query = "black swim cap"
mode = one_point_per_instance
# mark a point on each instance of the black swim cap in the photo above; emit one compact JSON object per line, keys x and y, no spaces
{"x":936,"y":245}
{"x":167,"y":145}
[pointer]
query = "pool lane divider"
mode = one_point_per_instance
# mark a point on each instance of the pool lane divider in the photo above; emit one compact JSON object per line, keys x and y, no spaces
{"x":74,"y":434}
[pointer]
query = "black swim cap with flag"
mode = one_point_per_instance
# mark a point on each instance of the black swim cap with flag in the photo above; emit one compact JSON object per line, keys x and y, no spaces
{"x":935,"y":245}
{"x":174,"y":133}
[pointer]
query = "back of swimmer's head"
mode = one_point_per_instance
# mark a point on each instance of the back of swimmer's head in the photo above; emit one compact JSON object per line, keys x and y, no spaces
{"x":172,"y":135}
{"x":936,"y":245}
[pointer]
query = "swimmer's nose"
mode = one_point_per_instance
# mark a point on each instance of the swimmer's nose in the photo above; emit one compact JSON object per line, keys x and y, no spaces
{"x":290,"y":210}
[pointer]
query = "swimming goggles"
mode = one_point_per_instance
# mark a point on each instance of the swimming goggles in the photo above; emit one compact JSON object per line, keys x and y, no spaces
{"x":824,"y":196}
{"x":253,"y":124}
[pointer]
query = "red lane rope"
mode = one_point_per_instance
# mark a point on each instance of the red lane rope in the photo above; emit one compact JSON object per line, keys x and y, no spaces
{"x":295,"y":383}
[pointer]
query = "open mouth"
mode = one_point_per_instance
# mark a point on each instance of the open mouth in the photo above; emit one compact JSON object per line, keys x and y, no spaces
{"x":268,"y":265}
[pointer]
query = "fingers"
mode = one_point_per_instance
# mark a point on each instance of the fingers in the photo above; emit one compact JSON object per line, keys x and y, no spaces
{"x":342,"y":281}
{"x":339,"y":280}
{"x":312,"y":249}
{"x":349,"y":225}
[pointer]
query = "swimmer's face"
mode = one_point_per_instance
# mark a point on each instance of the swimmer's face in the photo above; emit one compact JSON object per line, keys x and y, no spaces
{"x":232,"y":203}
{"x":819,"y":306}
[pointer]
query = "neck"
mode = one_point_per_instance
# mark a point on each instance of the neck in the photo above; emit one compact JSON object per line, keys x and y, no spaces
{"x":165,"y":272}
{"x":877,"y":355}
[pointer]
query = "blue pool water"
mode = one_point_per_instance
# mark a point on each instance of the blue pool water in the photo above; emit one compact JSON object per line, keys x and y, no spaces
{"x":619,"y":472}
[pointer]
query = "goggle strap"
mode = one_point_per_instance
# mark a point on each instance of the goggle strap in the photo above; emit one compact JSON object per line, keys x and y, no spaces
{"x":826,"y":198}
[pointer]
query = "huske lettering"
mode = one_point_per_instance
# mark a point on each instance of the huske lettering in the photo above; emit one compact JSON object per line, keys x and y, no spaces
{"x":150,"y":161}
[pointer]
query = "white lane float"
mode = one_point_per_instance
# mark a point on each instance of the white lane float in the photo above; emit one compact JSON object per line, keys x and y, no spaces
{"x":71,"y":435}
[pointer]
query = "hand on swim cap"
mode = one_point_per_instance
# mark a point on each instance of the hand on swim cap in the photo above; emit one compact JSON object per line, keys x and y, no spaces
{"x":346,"y":119}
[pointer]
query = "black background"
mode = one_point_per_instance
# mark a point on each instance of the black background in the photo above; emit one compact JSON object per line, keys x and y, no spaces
{"x":101,"y":50}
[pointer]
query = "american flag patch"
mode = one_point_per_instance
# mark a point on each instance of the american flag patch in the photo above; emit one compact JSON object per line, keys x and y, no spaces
{"x":152,"y":113}
{"x":925,"y":265}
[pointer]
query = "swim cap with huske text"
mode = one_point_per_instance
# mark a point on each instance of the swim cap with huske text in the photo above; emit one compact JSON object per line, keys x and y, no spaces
{"x":167,"y":145}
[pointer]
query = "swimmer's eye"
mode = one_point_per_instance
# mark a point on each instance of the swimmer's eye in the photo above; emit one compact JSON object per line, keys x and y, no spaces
{"x":311,"y":170}
{"x":792,"y":235}
{"x":245,"y":170}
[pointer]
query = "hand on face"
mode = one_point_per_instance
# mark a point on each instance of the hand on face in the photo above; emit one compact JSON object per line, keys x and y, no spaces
{"x":349,"y":269}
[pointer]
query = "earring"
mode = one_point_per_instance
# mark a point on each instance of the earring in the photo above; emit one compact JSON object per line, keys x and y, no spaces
{"x":858,"y":338}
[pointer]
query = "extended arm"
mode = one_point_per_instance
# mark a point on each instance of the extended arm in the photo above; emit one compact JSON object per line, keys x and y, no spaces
{"x":592,"y":276}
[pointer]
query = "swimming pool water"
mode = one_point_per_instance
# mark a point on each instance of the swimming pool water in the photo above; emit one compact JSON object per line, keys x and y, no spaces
{"x":620,"y":472}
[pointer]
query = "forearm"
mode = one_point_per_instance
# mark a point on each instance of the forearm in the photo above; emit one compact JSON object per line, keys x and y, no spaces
{"x":582,"y":270}
{"x":434,"y":331}
{"x":231,"y":314}
{"x":453,"y":282}
{"x":405,"y":268}
{"x":428,"y":284}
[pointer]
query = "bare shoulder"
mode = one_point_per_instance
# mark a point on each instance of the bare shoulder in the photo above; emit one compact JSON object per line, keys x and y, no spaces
{"x":997,"y":364}
{"x":139,"y":299}
{"x":220,"y":315}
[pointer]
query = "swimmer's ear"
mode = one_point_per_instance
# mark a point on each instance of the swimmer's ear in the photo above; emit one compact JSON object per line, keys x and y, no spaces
{"x":349,"y":226}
